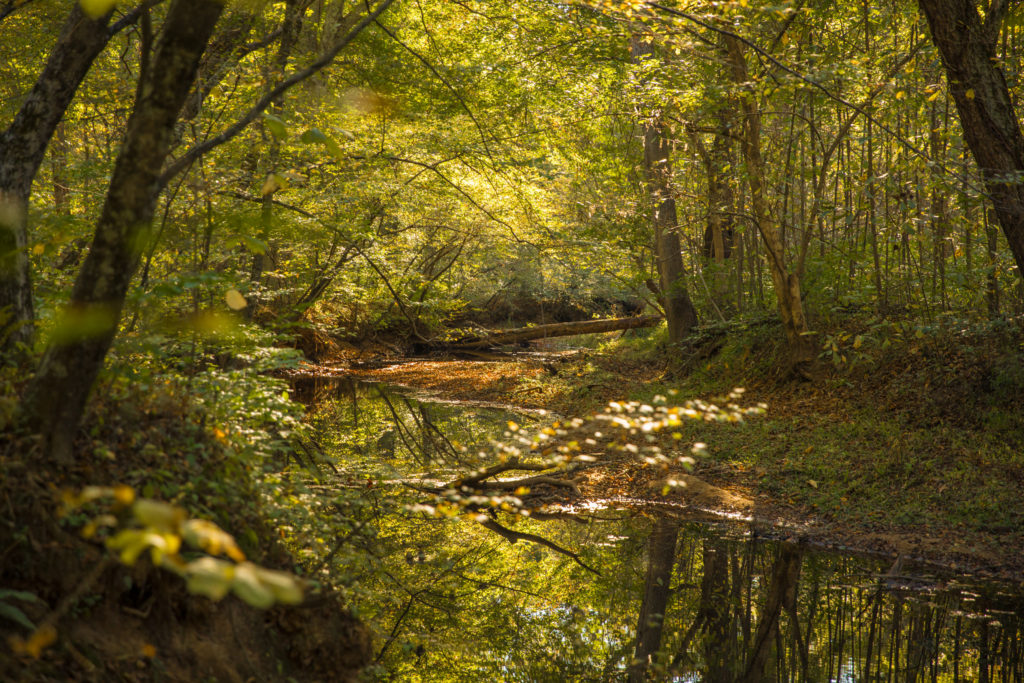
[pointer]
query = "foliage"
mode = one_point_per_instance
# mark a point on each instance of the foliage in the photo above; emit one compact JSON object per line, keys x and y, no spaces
{"x":162,"y":529}
{"x":12,"y":613}
{"x":464,"y":165}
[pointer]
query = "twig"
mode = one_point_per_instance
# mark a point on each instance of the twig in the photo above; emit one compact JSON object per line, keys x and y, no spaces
{"x":190,"y":156}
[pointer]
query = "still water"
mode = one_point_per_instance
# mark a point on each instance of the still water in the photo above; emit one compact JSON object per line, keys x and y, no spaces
{"x":613,"y":593}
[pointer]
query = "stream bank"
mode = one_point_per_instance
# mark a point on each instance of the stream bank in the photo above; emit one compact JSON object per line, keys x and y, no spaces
{"x":486,"y":592}
{"x":911,"y":449}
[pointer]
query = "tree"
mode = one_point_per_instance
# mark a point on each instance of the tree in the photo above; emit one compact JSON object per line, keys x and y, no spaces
{"x":679,"y":311}
{"x":787,"y":284}
{"x":57,"y":395}
{"x":967,"y":44}
{"x":22,"y":149}
{"x":55,"y":399}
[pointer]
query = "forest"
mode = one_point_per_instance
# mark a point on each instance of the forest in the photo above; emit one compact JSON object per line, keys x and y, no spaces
{"x":534,"y":340}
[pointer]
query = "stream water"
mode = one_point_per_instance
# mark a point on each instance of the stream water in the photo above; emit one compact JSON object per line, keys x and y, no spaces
{"x":649,"y":595}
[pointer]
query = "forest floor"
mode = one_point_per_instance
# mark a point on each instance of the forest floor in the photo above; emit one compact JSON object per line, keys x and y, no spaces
{"x":913,"y":448}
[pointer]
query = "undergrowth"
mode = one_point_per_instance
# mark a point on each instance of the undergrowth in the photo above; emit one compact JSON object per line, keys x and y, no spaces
{"x":203,"y":432}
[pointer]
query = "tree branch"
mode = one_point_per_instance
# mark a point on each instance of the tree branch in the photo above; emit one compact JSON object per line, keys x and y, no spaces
{"x":494,"y":470}
{"x":191,"y":155}
{"x":818,"y":86}
{"x":514,"y":536}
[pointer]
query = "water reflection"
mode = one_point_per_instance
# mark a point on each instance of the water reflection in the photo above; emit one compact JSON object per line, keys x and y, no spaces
{"x":364,"y":421}
{"x":451,"y":600}
{"x":736,"y":610}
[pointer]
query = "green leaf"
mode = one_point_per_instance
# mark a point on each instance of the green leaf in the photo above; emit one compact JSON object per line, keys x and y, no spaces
{"x":24,"y":596}
{"x":313,"y":135}
{"x":1014,"y":18}
{"x":334,"y":148}
{"x":285,"y":587}
{"x":254,"y":245}
{"x":210,"y":577}
{"x":275,"y":126}
{"x":12,"y":613}
{"x":248,"y":587}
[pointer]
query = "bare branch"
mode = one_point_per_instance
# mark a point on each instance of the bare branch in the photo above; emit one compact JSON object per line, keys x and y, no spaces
{"x":514,"y":536}
{"x":494,"y":470}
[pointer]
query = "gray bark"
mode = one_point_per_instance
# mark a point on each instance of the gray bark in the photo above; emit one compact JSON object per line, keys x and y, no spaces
{"x":967,"y":45}
{"x":22,"y":149}
{"x":56,"y":397}
{"x":680,"y":314}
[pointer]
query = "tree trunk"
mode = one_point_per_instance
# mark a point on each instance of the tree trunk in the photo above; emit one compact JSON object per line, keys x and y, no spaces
{"x":714,"y":612}
{"x":22,"y":149}
{"x":290,"y":28}
{"x":718,"y":232}
{"x":967,"y":45}
{"x":680,"y":314}
{"x":787,"y":284}
{"x":781,"y":594}
{"x":720,"y":209}
{"x":551,"y":330}
{"x":661,"y":555}
{"x":56,"y":397}
{"x":992,"y":269}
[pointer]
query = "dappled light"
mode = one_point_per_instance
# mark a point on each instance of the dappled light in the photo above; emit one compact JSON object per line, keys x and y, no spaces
{"x":413,"y":340}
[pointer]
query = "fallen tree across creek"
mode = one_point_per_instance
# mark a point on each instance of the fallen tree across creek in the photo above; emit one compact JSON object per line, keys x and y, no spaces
{"x":522,"y":334}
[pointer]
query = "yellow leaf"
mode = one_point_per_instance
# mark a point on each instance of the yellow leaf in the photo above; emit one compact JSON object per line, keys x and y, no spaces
{"x":124,"y":495}
{"x":38,"y":249}
{"x":935,"y":95}
{"x":44,"y":636}
{"x":813,"y":483}
{"x":153,"y":513}
{"x":97,"y":8}
{"x":969,"y":94}
{"x":148,"y":651}
{"x":271,"y":185}
{"x":235,"y":300}
{"x":207,"y":536}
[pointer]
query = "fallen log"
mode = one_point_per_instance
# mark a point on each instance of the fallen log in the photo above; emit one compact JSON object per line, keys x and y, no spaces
{"x":521,"y":334}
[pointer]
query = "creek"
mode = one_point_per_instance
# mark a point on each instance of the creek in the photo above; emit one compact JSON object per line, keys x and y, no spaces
{"x":613,"y":590}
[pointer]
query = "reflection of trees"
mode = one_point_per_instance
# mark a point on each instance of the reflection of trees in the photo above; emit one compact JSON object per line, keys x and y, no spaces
{"x":768,"y":612}
{"x":382,"y":424}
{"x":452,"y":600}
{"x":661,"y":556}
{"x":714,"y":616}
{"x":781,"y":595}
